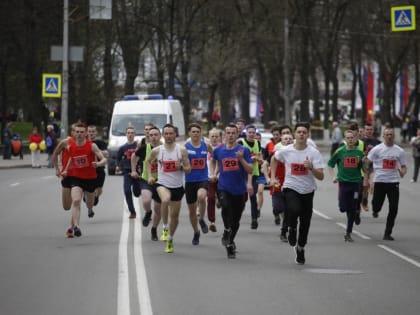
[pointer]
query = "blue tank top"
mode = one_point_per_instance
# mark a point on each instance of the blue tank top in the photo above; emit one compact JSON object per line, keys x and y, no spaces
{"x":198,"y":161}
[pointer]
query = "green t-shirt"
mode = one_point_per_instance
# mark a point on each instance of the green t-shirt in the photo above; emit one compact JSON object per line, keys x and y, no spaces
{"x":349,"y":164}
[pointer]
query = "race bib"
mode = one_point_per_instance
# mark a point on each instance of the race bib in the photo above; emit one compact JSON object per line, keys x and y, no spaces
{"x":154,"y":167}
{"x":169,"y":166}
{"x":129,"y":153}
{"x":230,"y":164}
{"x":351,"y":162}
{"x":198,"y":163}
{"x":80,"y":161}
{"x":388,"y":164}
{"x":298,"y":169}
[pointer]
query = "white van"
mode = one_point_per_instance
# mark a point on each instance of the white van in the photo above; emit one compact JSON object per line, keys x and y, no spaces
{"x":137,"y":111}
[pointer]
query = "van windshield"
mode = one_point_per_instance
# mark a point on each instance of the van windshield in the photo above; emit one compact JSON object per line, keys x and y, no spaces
{"x":121,"y":122}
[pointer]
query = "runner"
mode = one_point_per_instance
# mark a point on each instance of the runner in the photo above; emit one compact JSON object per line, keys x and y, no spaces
{"x":100,"y":171}
{"x":172,"y":162}
{"x":369,"y":142}
{"x":389,"y":165}
{"x":276,"y":187}
{"x":303,"y":164}
{"x":82,"y":156}
{"x":148,"y":192}
{"x":215,"y":136}
{"x":235,"y":180}
{"x":123,"y":164}
{"x":349,"y":161}
{"x":254,"y":147}
{"x":196,"y":181}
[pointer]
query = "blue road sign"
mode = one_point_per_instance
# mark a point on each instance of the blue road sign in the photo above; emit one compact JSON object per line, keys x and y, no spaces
{"x":51,"y":85}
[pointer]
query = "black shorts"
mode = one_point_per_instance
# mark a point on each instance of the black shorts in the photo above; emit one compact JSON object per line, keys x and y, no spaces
{"x":66,"y":182}
{"x":88,"y":185}
{"x":100,"y":177}
{"x":176,"y":193}
{"x":146,"y":186}
{"x":191,"y":189}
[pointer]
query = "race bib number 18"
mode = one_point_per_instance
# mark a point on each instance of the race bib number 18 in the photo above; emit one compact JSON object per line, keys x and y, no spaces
{"x":351,"y":162}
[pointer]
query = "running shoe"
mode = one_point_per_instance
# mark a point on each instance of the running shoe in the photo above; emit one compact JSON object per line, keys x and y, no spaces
{"x":283,"y":237}
{"x":165,"y":235}
{"x":169,"y":246}
{"x":277,"y":220}
{"x":132,"y":215}
{"x":388,"y":237}
{"x":147,"y":218}
{"x":203,"y":225}
{"x":154,"y":234}
{"x":90,"y":213}
{"x":212,"y":227}
{"x":292,"y":237}
{"x":357,"y":218}
{"x":196,"y":238}
{"x":300,"y":255}
{"x":77,"y":231}
{"x":225,"y":237}
{"x":231,"y":253}
{"x":69,"y":232}
{"x":254,"y":224}
{"x":348,"y":238}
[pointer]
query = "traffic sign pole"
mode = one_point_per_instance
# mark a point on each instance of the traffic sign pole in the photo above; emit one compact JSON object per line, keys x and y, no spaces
{"x":65,"y":89}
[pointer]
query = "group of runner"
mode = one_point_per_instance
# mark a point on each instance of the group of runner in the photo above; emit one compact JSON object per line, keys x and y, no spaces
{"x":227,"y":170}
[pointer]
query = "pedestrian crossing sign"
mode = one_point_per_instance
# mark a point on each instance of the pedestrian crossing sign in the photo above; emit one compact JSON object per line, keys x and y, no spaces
{"x":403,"y":18}
{"x":51,"y":85}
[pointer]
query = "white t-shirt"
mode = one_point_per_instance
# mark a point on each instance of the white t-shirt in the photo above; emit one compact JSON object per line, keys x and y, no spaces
{"x":168,"y":175}
{"x":297,"y":177}
{"x":386,"y":162}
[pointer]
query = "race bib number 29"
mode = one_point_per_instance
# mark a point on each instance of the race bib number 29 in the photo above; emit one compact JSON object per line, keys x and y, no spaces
{"x":230,"y":164}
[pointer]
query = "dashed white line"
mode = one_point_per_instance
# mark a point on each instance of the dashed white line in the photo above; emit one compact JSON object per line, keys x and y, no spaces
{"x":14,"y":184}
{"x":403,"y":257}
{"x":361,"y":235}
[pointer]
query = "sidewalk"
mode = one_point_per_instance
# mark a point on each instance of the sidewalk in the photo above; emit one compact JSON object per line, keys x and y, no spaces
{"x":16,"y":162}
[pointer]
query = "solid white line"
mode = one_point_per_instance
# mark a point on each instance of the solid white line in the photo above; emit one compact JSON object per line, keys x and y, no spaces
{"x":123,"y":307}
{"x":406,"y":258}
{"x":145,"y":304}
{"x":321,"y":214}
{"x":14,"y":184}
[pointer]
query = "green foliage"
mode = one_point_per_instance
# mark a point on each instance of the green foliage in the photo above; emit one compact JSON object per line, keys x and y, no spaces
{"x":23,"y":129}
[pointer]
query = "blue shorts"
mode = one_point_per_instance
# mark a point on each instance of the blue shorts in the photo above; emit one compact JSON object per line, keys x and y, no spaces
{"x":261,"y":180}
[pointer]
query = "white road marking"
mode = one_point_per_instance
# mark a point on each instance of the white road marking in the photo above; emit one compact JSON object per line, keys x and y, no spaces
{"x":14,"y":184}
{"x":361,"y":235}
{"x":321,"y":214}
{"x":402,"y":256}
{"x":142,"y":284}
{"x":123,"y":307}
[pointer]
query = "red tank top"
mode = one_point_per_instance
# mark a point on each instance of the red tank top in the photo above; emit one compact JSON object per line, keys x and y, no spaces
{"x":81,"y":160}
{"x":65,"y":155}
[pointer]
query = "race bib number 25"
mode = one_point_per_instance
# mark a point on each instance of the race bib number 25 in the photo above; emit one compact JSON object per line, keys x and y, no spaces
{"x":298,"y":169}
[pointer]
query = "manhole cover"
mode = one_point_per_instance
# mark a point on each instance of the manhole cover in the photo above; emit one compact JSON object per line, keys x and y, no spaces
{"x":334,"y":271}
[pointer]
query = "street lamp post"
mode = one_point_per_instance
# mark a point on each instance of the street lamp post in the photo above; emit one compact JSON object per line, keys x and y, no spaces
{"x":65,"y":86}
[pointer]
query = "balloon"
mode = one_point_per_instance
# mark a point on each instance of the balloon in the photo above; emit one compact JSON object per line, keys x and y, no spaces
{"x":33,"y":146}
{"x":42,"y":145}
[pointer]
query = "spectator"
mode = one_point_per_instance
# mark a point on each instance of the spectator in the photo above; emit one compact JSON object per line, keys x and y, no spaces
{"x":336,"y":137}
{"x":35,"y":138}
{"x":415,"y":143}
{"x":7,"y":136}
{"x":51,"y":143}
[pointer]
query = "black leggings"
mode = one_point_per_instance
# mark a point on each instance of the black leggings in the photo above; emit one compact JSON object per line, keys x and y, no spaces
{"x":392,"y":192}
{"x":232,"y":208}
{"x":299,"y":206}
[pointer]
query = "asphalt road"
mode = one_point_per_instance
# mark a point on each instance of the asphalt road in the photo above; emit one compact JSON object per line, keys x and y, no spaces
{"x":114,"y":268}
